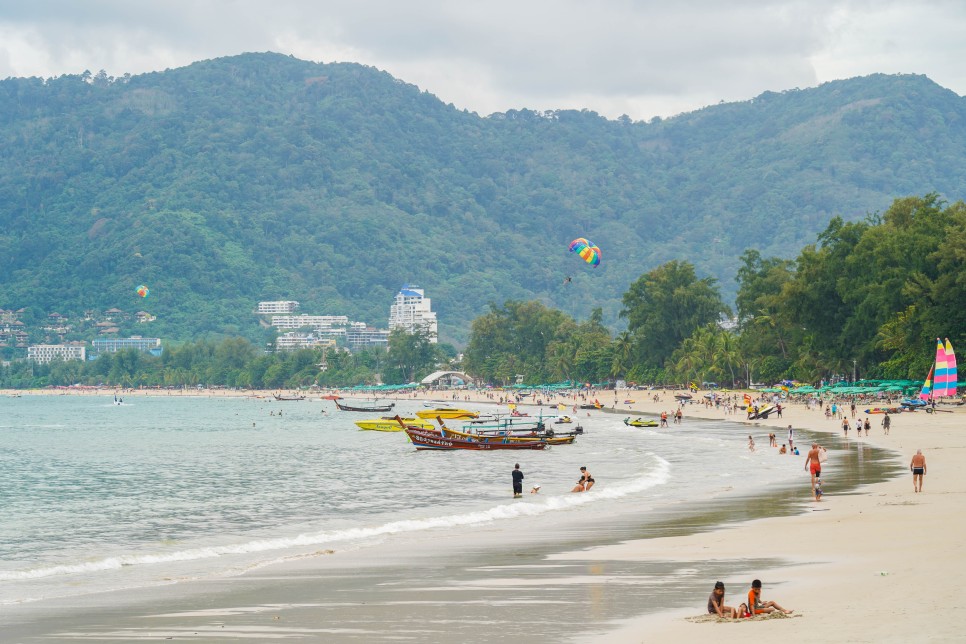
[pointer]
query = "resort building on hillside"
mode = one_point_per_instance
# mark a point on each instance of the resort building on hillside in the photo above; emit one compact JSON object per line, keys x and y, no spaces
{"x":46,"y":353}
{"x":313,"y":321}
{"x":136,"y":342}
{"x":359,"y":336}
{"x":292,"y":341}
{"x":277,"y":307}
{"x":411,"y":311}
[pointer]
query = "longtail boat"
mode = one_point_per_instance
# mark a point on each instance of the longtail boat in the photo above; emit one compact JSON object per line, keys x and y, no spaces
{"x":372,"y":409}
{"x":517,"y":436}
{"x":447,"y":412}
{"x":287,"y":398}
{"x":432,"y":439}
{"x":390,"y":424}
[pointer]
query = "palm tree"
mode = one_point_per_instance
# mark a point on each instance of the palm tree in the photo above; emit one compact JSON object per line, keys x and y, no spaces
{"x":623,"y":346}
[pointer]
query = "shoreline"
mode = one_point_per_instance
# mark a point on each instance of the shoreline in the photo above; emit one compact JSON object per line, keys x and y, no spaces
{"x":827,"y":565}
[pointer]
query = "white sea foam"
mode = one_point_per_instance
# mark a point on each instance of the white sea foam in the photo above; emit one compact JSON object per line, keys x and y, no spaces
{"x":658,"y":476}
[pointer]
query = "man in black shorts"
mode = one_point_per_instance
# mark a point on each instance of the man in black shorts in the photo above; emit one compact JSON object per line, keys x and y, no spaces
{"x":517,"y":481}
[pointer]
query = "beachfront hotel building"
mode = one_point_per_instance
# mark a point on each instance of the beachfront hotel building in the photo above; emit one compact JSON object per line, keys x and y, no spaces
{"x":411,"y":311}
{"x":315,"y":321}
{"x":136,"y":342}
{"x":359,"y":336}
{"x":293,"y":341}
{"x":277,"y":307}
{"x":47,"y":353}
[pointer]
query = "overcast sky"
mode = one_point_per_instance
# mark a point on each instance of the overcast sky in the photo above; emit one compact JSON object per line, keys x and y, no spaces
{"x":641,"y":58}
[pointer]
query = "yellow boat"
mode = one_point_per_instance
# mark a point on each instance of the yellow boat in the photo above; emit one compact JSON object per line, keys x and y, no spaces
{"x":447,"y":412}
{"x":390,"y":424}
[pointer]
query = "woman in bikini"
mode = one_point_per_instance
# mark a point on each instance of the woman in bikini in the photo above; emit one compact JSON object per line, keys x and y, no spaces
{"x":585,"y":483}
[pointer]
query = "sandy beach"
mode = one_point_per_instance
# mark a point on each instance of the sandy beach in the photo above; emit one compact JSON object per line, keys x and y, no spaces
{"x":879,"y":564}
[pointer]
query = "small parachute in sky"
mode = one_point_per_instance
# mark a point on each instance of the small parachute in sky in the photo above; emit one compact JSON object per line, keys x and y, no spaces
{"x":587,"y":251}
{"x":142,"y":290}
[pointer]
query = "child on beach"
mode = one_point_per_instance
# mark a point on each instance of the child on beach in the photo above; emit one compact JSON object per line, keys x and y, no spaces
{"x":716,"y":602}
{"x":751,"y":443}
{"x":759,"y":607}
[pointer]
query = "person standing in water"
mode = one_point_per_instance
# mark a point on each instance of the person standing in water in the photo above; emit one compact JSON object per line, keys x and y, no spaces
{"x":585,"y":483}
{"x":814,"y":465}
{"x":517,"y":481}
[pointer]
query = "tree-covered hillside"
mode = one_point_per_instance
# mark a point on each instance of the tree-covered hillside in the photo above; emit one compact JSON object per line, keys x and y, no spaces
{"x":261,"y":176}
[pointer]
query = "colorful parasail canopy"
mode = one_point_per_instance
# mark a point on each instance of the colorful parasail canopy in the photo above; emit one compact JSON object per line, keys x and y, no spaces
{"x":142,"y":290}
{"x":587,"y":251}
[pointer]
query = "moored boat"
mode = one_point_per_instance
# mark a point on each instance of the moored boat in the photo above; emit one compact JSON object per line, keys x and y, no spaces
{"x":288,"y":398}
{"x":545,"y":435}
{"x":448,"y":413}
{"x":432,"y":439}
{"x":371,"y":408}
{"x":391,"y":424}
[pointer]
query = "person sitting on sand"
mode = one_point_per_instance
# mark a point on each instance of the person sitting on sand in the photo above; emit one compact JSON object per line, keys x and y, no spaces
{"x":759,"y":607}
{"x":716,"y":602}
{"x":743,"y":610}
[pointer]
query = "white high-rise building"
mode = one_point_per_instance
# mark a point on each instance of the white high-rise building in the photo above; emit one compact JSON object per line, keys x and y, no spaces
{"x":411,"y":311}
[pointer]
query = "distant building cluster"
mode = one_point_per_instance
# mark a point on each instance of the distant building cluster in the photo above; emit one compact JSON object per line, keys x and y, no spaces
{"x":410,"y":311}
{"x":53,"y":336}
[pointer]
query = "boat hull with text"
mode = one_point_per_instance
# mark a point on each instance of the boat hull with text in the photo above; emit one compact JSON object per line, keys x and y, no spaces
{"x":424,"y":439}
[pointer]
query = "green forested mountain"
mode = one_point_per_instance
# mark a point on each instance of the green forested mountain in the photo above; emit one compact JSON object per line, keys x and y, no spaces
{"x":261,"y":176}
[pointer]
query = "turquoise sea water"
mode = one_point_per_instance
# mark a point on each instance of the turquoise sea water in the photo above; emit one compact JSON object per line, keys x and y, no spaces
{"x":167,"y":489}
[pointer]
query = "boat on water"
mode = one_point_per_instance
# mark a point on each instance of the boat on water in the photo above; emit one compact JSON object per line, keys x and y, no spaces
{"x":433,"y":439}
{"x":512,"y":433}
{"x":563,"y":420}
{"x":640,"y":422}
{"x":594,"y":405}
{"x":450,"y":413}
{"x":288,"y":398}
{"x":374,"y":409}
{"x":391,"y":424}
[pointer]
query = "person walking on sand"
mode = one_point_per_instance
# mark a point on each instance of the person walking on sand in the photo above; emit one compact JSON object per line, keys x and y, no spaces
{"x":918,"y":467}
{"x":886,"y":423}
{"x":716,"y":602}
{"x":758,"y":607}
{"x":814,"y":465}
{"x":866,"y":425}
{"x":517,"y":481}
{"x":845,"y":426}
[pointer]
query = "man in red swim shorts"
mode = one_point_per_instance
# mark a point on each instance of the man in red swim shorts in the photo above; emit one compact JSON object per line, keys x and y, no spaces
{"x":814,"y":465}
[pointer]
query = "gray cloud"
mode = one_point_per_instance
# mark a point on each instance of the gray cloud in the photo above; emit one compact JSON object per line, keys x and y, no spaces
{"x":641,"y":58}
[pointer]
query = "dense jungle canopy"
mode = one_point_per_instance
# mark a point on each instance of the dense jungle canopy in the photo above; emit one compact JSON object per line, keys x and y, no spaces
{"x":261,"y":176}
